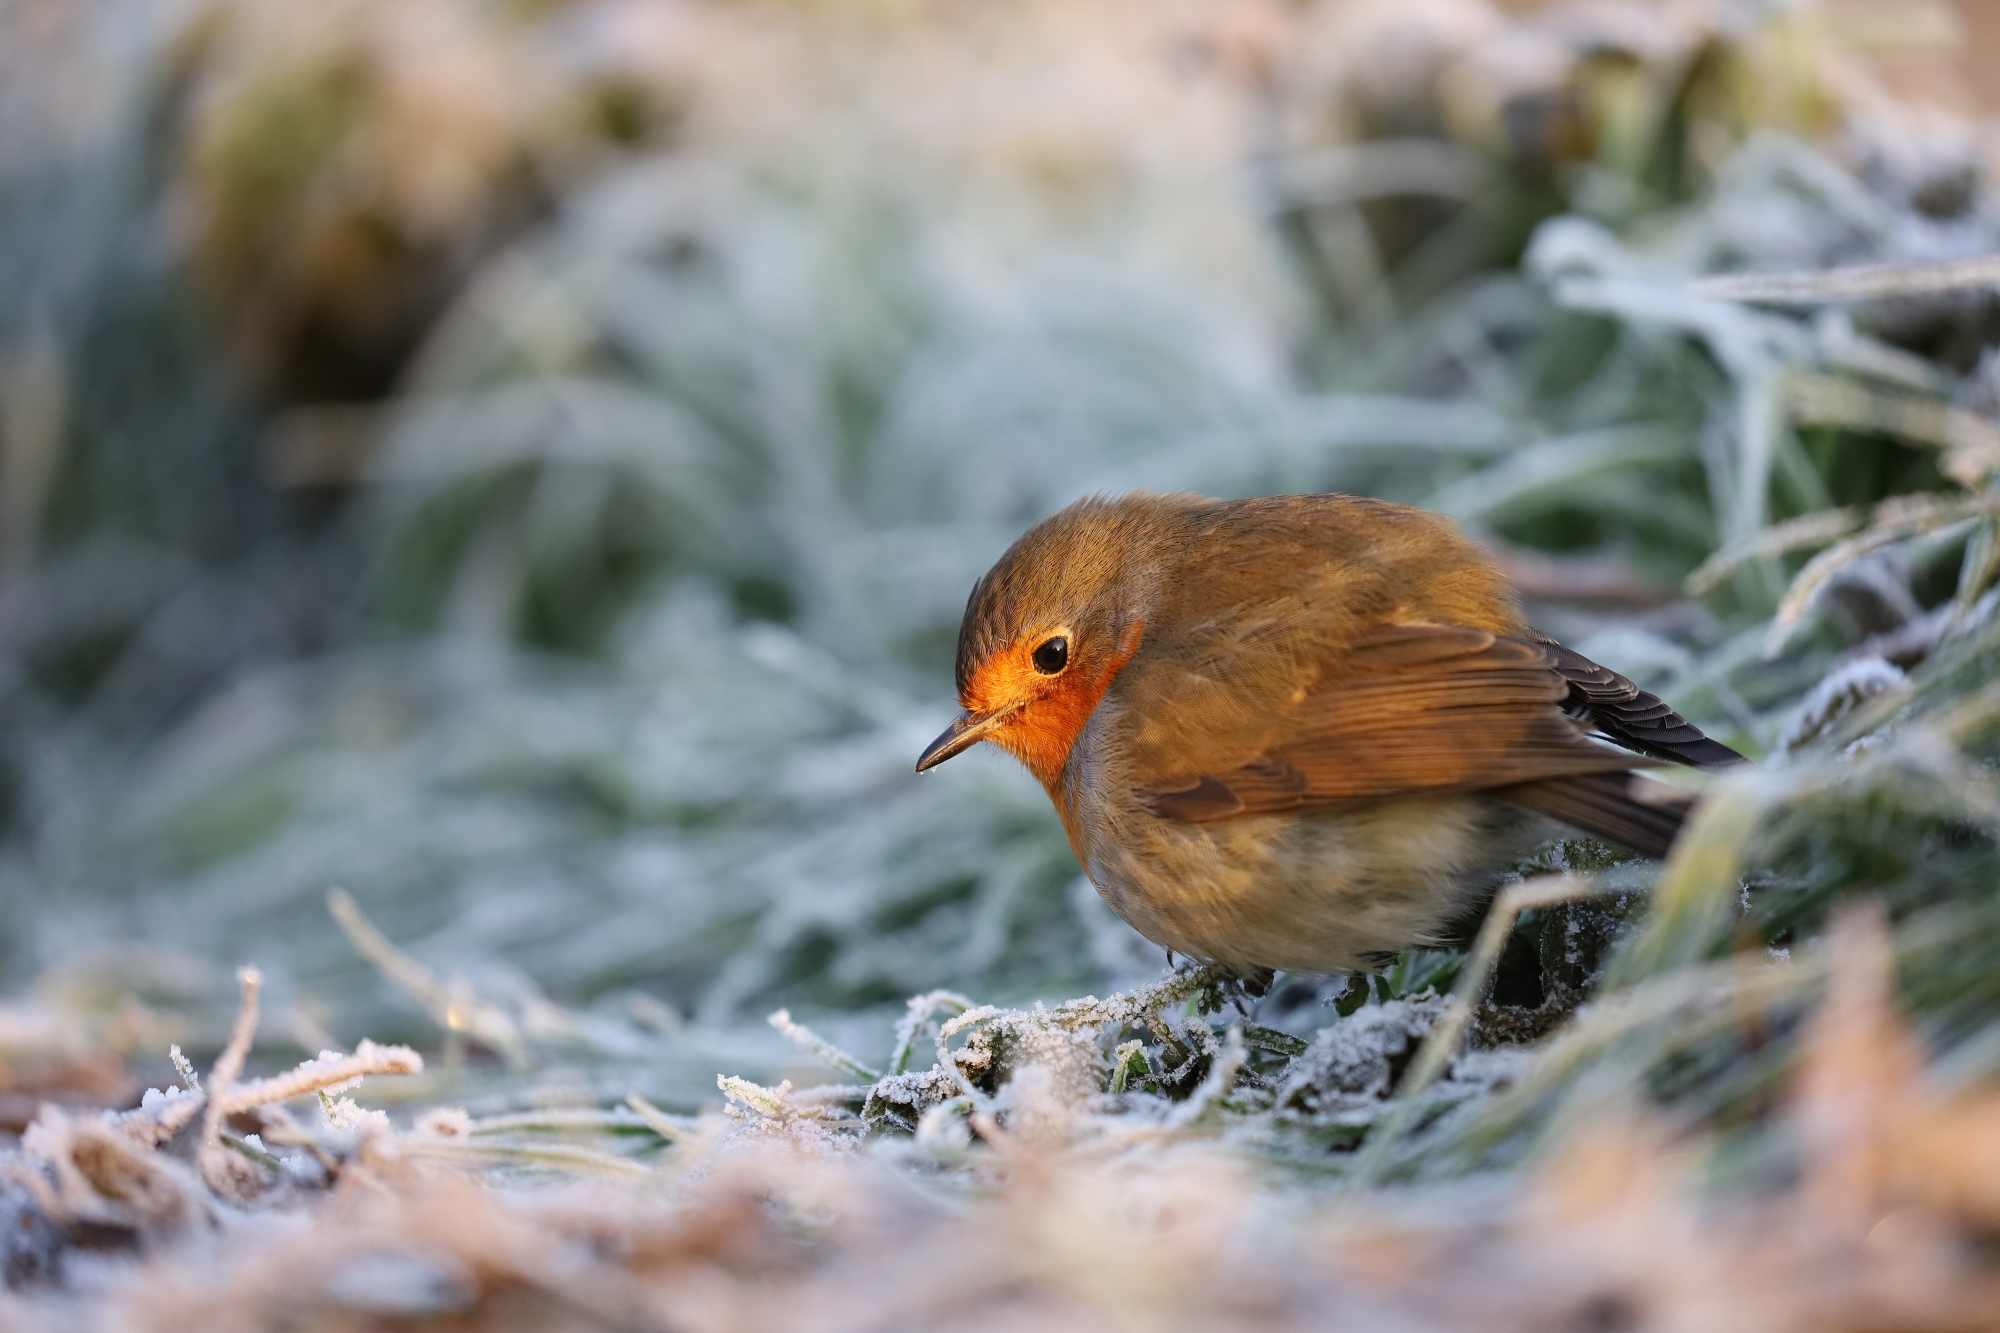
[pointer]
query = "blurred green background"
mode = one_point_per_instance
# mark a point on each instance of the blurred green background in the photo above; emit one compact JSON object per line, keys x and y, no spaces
{"x":522,"y":463}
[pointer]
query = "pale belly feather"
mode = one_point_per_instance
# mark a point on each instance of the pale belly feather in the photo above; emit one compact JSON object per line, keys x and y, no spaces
{"x":1310,"y":893}
{"x":1325,"y":892}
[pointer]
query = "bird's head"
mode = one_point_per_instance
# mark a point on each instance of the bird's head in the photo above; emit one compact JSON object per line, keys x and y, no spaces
{"x":1053,"y":622}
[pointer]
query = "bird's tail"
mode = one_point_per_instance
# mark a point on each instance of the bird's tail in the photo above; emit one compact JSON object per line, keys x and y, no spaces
{"x":1620,"y":807}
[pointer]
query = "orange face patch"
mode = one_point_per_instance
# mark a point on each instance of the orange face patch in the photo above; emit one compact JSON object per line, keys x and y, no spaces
{"x":1049,"y":711}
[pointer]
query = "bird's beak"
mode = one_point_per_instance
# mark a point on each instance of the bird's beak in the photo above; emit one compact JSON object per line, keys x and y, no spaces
{"x":967,"y":731}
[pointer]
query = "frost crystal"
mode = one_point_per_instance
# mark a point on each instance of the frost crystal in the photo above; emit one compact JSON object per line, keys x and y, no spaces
{"x":1844,"y":690}
{"x":1352,"y":1065}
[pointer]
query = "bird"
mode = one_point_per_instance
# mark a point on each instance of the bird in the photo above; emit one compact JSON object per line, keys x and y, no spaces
{"x":1298,"y":733}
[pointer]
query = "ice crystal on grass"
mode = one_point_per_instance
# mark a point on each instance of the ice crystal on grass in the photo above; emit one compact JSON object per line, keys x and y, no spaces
{"x":1064,"y":1208}
{"x":1352,"y":1064}
{"x":1840,"y":693}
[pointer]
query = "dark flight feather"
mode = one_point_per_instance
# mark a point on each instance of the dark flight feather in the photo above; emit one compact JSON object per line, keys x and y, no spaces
{"x":1630,"y":717}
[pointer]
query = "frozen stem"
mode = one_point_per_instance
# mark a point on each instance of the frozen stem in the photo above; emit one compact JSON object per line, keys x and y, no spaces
{"x":804,"y":1037}
{"x":222,"y":1075}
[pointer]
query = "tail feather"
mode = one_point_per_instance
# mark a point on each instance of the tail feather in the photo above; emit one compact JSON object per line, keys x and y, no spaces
{"x":1620,"y":807}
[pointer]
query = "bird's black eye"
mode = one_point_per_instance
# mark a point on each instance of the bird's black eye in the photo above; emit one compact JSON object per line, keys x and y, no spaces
{"x":1052,"y":656}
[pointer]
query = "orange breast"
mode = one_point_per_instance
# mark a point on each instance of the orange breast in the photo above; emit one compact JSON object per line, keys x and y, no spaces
{"x":1044,"y":733}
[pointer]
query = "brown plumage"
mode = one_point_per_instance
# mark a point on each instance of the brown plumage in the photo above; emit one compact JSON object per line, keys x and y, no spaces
{"x":1298,"y":732}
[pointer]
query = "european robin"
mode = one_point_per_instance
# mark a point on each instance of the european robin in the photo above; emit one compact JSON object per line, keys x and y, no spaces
{"x":1301,"y":732}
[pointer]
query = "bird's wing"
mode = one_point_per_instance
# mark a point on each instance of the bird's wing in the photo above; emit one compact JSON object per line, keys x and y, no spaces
{"x":1628,"y":716}
{"x":1407,"y":709}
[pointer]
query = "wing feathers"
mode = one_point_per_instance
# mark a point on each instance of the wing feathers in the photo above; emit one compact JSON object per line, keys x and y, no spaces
{"x":1409,"y":709}
{"x":1630,"y":716}
{"x":1426,"y":708}
{"x":1207,"y":799}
